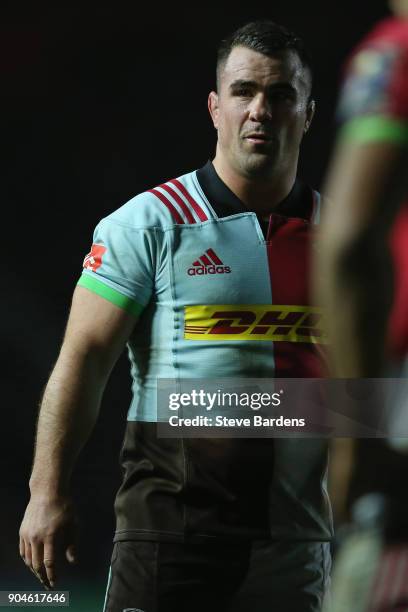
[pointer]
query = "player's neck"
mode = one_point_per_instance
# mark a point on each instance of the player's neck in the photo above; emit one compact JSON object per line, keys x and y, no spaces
{"x":261,"y":195}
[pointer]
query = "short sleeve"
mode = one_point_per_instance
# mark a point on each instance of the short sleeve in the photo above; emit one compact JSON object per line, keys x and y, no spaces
{"x":120,"y":266}
{"x":373,"y":103}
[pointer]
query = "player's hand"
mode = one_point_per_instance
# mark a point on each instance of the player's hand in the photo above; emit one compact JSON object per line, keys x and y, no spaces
{"x":48,"y":532}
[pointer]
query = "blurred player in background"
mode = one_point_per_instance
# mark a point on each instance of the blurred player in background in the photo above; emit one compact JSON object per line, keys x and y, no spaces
{"x":364,"y":264}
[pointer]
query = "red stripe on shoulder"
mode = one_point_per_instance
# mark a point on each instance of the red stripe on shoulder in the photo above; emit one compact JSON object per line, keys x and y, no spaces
{"x":175,"y":214}
{"x":180,"y":202}
{"x":197,"y":208}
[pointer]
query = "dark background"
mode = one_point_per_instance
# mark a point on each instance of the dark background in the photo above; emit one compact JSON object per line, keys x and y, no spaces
{"x":103,"y":101}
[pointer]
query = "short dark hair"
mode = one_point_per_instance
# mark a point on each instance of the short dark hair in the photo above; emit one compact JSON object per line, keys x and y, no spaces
{"x":263,"y":36}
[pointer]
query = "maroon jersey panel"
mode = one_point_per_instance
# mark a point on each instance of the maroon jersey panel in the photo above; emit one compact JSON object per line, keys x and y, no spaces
{"x":289,"y":249}
{"x":398,"y":328}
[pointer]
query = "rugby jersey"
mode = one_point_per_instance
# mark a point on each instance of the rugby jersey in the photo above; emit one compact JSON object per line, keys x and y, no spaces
{"x":218,"y":293}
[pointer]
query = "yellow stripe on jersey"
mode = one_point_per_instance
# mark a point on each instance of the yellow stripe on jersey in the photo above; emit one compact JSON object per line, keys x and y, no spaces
{"x":278,"y":323}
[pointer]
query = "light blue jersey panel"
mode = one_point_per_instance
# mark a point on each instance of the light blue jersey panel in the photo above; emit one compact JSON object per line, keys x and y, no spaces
{"x":164,"y":268}
{"x":241,"y":248}
{"x":158,"y":347}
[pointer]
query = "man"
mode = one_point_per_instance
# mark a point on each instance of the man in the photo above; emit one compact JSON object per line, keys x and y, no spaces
{"x":366,"y":183}
{"x":182,"y":273}
{"x":364,"y":261}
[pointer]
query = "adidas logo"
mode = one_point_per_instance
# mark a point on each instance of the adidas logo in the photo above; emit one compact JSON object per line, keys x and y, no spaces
{"x":208,"y":263}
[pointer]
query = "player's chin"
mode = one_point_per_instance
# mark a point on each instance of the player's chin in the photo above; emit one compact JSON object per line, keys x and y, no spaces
{"x":262,"y":151}
{"x":259,"y":162}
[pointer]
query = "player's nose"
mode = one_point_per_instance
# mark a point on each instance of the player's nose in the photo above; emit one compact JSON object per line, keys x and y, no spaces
{"x":260,"y":109}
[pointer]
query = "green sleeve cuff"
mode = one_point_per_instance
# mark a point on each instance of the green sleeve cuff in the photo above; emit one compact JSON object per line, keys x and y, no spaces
{"x":113,"y":296}
{"x":375,"y":128}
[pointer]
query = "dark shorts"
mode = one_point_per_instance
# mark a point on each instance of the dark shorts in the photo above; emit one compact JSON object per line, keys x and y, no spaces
{"x":218,"y":577}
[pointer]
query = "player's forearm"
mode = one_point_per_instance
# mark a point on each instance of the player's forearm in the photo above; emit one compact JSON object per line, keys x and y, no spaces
{"x":365,"y":185}
{"x":68,"y":413}
{"x":357,"y":311}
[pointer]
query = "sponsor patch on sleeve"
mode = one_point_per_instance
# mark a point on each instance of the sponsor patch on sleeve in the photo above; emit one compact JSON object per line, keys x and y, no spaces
{"x":93,"y":260}
{"x":367,"y":86}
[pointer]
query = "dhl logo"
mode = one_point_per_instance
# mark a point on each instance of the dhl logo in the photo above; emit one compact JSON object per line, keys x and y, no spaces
{"x":254,"y":322}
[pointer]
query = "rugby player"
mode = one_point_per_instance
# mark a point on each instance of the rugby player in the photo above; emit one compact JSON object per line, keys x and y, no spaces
{"x":364,"y":264}
{"x":183,"y":273}
{"x":366,"y":225}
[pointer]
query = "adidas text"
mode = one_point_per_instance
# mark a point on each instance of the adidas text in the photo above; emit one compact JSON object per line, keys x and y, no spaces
{"x":200,"y":270}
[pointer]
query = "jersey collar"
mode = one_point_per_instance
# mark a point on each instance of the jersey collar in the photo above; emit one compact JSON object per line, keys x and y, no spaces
{"x":298,"y":203}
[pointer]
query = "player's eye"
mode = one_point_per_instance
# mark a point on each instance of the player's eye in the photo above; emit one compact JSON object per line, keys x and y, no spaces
{"x":242,"y":92}
{"x":282,"y":95}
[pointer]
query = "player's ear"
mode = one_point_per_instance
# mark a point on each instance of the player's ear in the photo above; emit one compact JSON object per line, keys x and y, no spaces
{"x":310,"y":111}
{"x":213,"y":107}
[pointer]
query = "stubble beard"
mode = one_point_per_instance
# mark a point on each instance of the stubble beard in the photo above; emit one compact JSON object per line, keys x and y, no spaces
{"x":258,"y":165}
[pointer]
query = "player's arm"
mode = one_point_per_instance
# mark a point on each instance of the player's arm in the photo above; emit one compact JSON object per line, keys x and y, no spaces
{"x":365,"y":185}
{"x":96,"y":333}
